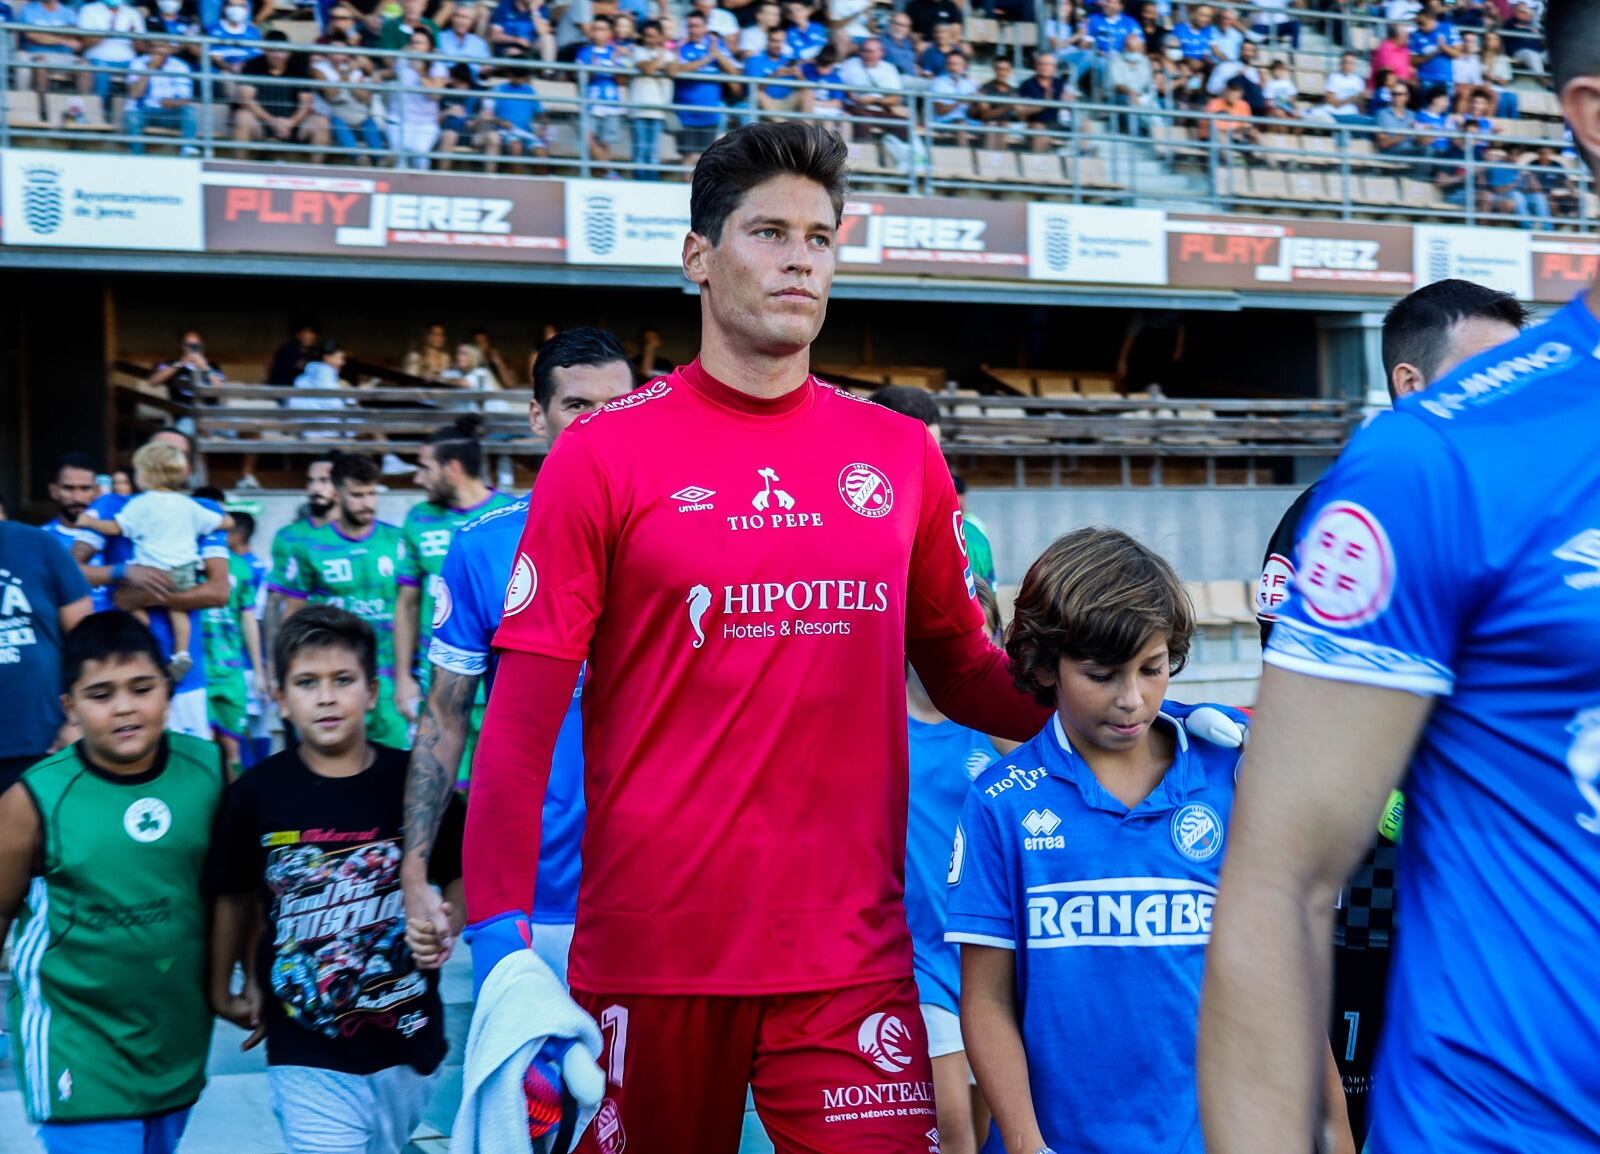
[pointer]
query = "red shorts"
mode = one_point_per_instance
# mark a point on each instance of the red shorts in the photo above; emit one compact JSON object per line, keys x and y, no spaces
{"x":841,"y":1072}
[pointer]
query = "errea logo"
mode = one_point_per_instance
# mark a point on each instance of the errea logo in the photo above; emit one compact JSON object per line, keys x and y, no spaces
{"x":1041,"y":826}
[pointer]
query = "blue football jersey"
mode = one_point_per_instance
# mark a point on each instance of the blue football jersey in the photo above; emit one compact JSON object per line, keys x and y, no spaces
{"x":1454,"y":551}
{"x":1109,"y":912}
{"x":117,"y":550}
{"x":945,"y":758}
{"x":466,"y":614}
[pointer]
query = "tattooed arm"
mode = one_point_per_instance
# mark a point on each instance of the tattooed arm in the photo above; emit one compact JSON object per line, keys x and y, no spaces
{"x":435,"y":756}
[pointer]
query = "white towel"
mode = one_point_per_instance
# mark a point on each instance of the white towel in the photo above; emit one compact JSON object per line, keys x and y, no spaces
{"x":521,"y":1006}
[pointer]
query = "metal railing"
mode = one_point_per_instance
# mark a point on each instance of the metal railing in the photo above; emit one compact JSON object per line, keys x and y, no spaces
{"x":1106,"y":152}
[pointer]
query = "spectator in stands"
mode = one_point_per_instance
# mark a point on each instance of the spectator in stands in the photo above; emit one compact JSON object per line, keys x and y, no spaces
{"x":170,"y":19}
{"x":458,"y":38}
{"x":191,"y":369}
{"x":998,"y":116}
{"x":650,"y":87}
{"x":1273,"y":24}
{"x":232,"y":33}
{"x":160,"y":95}
{"x":1468,"y":15}
{"x":349,"y":109}
{"x":625,"y":31}
{"x":1230,"y":103}
{"x":461,"y":116}
{"x":112,"y":53}
{"x":1396,"y":119}
{"x":701,"y":59}
{"x":1345,"y":92}
{"x":1523,"y":40}
{"x":519,"y":28}
{"x":1228,"y":38}
{"x":324,"y":371}
{"x":1394,"y":56}
{"x":1050,"y":89}
{"x":775,"y":63}
{"x":290,"y":358}
{"x":468,"y":371}
{"x":396,"y":34}
{"x":1249,"y":76}
{"x":513,"y":120}
{"x":1283,"y":98}
{"x":848,"y":27}
{"x":1434,"y":46}
{"x":414,"y":111}
{"x":1066,"y":37}
{"x":44,"y":50}
{"x":1508,"y":188}
{"x":870,"y":68}
{"x":931,"y":60}
{"x":275,"y":102}
{"x":431,"y":360}
{"x":927,"y":15}
{"x":1435,"y":113}
{"x":604,"y":91}
{"x":122,"y":482}
{"x":649,"y":364}
{"x":753,"y":40}
{"x":492,"y":360}
{"x":1549,"y":176}
{"x":1478,"y":109}
{"x":1497,"y":73}
{"x":949,"y":94}
{"x":1197,"y":33}
{"x":1466,"y":70}
{"x":1399,"y":11}
{"x":344,"y":30}
{"x":899,"y":47}
{"x":723,"y":23}
{"x":1109,"y":28}
{"x":1132,"y":81}
{"x":825,"y":101}
{"x":805,"y":37}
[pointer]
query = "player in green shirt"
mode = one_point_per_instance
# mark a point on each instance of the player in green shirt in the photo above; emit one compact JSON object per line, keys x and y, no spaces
{"x":355,"y":562}
{"x":450,"y":472}
{"x":102,"y":854}
{"x":285,"y":542}
{"x":231,"y":632}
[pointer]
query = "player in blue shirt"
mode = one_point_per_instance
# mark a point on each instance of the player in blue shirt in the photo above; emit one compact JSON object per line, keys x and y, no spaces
{"x":74,"y":490}
{"x":578,"y":371}
{"x":1443,"y":630}
{"x":1104,"y":832}
{"x":149,"y":589}
{"x":944,"y":760}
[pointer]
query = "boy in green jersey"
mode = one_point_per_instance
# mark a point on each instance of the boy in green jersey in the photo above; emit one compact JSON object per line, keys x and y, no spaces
{"x":232,"y":638}
{"x":450,"y":472}
{"x":357,"y":563}
{"x":309,"y":845}
{"x":102,"y":854}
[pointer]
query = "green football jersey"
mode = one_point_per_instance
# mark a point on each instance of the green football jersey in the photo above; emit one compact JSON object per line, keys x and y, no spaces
{"x":108,"y":1008}
{"x":285,"y":543}
{"x":224,"y":637}
{"x":428,"y":531}
{"x":362,"y":575}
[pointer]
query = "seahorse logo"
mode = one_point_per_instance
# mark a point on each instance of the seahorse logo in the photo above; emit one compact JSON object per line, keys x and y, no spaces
{"x":699,"y":601}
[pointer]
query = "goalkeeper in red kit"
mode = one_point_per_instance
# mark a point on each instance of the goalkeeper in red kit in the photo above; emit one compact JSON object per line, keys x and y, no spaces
{"x":746,"y":557}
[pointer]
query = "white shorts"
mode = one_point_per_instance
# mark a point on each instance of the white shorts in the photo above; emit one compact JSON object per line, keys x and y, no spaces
{"x":187,"y":714}
{"x":327,"y":1112}
{"x":944,"y":1031}
{"x":553,"y":943}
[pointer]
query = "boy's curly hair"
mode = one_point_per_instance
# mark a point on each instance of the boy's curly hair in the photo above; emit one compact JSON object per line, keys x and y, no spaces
{"x":1095,"y":595}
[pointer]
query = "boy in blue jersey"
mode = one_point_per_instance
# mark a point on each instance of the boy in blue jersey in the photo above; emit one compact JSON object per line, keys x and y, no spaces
{"x":1443,"y":631}
{"x":1104,"y":831}
{"x":945,"y":758}
{"x":578,"y":371}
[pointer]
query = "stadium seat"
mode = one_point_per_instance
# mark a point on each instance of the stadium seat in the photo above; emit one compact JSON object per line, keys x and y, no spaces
{"x":1315,"y":148}
{"x":1310,"y":186}
{"x":563,"y":94}
{"x":1094,"y":172}
{"x":983,"y":31}
{"x":1228,"y":600}
{"x":867,"y":158}
{"x":1382,"y":190}
{"x":59,"y":110}
{"x":953,"y":162}
{"x":998,"y":166}
{"x":1041,"y":168}
{"x":1269,"y":184}
{"x":22,"y":110}
{"x":562,"y":139}
{"x":1097,"y":386}
{"x":669,"y":153}
{"x":1023,"y":33}
{"x":1312,"y":82}
{"x":1055,"y":385}
{"x":1203,"y":614}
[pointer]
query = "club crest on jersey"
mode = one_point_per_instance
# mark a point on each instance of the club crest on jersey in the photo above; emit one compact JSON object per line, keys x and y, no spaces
{"x":442,"y":604}
{"x":1583,"y":760}
{"x":1347,"y":567}
{"x":885,"y":1041}
{"x":1584,"y":549}
{"x":147,"y":820}
{"x":1277,"y":578}
{"x":385,"y":566}
{"x":866,"y":489}
{"x":1197,"y":832}
{"x":608,"y":1132}
{"x":524,"y":583}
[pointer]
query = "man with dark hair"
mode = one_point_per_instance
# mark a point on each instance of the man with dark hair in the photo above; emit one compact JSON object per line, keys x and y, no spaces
{"x":450,"y":472}
{"x":910,"y":401}
{"x":1442,"y":631}
{"x":356,"y":562}
{"x":73,"y":490}
{"x":314,"y":514}
{"x":578,"y":371}
{"x":1425,"y":335}
{"x":733,"y":544}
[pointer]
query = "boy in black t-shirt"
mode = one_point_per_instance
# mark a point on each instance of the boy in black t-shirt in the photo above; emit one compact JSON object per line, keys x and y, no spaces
{"x":354,"y":1031}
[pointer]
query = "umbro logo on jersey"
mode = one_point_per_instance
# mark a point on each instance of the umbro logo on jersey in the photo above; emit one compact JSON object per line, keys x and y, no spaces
{"x":1041,"y":825}
{"x":1584,"y":549}
{"x":694,"y":499}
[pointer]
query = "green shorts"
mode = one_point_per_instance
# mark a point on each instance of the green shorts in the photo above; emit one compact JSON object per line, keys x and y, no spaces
{"x":227,"y":703}
{"x":385,"y":724}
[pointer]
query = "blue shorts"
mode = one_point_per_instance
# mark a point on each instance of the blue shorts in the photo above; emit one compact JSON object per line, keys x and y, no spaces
{"x":154,"y":1134}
